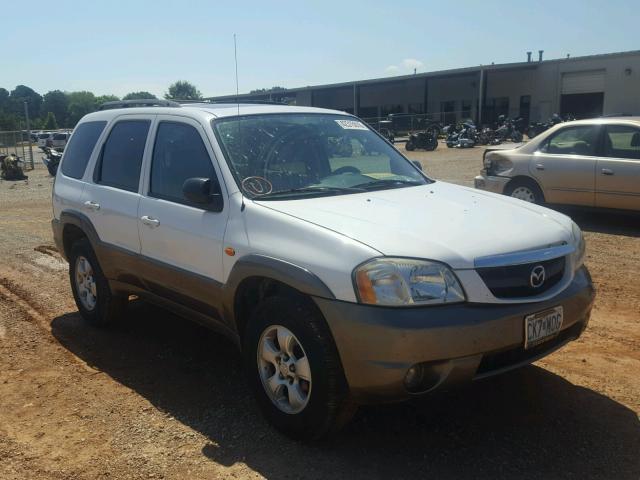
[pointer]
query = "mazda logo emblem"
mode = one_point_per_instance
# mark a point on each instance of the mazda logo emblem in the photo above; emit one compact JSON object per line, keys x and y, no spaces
{"x":537,"y":276}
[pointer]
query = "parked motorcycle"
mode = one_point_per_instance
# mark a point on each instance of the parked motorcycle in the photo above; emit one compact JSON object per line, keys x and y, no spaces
{"x":425,"y":140}
{"x":462,"y":136}
{"x":508,"y":130}
{"x":51,"y":160}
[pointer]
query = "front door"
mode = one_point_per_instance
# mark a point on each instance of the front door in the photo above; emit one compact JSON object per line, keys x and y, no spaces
{"x":618,"y":169}
{"x":565,"y":164}
{"x":182,"y":242}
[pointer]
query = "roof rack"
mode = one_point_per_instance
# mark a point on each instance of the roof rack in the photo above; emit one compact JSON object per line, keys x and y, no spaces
{"x":144,"y":102}
{"x":243,"y":102}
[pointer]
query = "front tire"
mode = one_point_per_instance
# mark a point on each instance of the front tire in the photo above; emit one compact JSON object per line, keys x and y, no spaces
{"x":294,"y":369}
{"x":409,"y":146}
{"x":94,"y":299}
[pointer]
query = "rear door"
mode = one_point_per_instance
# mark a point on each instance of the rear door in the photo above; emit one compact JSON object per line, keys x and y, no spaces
{"x":618,"y":169}
{"x":565,"y":165}
{"x":111,"y":199}
{"x":175,"y":232}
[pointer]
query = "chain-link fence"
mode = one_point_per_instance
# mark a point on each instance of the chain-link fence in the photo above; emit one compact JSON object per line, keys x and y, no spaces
{"x":403,"y":123}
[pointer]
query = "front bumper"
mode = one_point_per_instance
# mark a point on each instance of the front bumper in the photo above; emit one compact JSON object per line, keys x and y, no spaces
{"x":454,"y":343}
{"x":490,"y":183}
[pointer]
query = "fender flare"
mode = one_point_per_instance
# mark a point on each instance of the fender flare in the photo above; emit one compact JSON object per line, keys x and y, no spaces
{"x":300,"y":278}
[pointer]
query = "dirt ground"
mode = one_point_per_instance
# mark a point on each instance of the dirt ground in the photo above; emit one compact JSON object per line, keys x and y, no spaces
{"x":159,"y":397}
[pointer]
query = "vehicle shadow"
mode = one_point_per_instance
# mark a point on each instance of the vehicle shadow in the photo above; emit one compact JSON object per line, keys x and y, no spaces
{"x":600,"y":221}
{"x":527,"y":424}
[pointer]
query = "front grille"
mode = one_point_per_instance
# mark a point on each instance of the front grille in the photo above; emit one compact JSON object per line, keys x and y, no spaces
{"x":514,"y":281}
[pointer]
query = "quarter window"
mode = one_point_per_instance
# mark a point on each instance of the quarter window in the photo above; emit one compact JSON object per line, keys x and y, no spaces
{"x":122,"y":155}
{"x":621,"y":141}
{"x":178,"y":154}
{"x":580,"y":140}
{"x":78,"y":152}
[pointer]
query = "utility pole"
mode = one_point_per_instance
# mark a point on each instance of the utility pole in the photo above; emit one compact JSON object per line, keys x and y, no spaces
{"x":26,"y":114}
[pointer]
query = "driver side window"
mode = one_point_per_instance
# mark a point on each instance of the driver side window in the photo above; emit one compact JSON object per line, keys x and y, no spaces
{"x":178,"y":154}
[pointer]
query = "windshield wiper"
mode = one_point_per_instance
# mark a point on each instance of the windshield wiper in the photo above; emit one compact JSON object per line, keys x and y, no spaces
{"x":387,"y":182}
{"x":311,"y":189}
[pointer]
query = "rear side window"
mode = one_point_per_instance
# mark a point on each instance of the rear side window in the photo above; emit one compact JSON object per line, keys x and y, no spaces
{"x":580,"y":140}
{"x":80,"y":147}
{"x":121,"y":155}
{"x":621,"y":141}
{"x":178,"y":154}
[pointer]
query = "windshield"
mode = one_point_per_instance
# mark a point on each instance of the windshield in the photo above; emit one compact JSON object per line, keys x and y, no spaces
{"x":277,"y":156}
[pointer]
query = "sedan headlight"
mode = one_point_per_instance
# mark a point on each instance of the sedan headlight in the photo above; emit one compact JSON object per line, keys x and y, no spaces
{"x":578,"y":241}
{"x":405,"y":282}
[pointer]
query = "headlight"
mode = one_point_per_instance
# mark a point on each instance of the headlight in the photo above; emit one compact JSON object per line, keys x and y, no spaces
{"x":578,"y":241}
{"x":406,"y":281}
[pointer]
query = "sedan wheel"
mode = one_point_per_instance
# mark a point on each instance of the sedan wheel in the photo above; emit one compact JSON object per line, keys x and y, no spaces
{"x":524,"y":193}
{"x":284,"y":369}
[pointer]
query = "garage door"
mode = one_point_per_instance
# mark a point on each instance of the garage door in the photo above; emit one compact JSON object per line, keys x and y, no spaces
{"x":583,"y":82}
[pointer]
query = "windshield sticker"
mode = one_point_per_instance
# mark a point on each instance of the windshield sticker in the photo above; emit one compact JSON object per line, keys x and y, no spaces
{"x":257,"y":185}
{"x":351,"y":125}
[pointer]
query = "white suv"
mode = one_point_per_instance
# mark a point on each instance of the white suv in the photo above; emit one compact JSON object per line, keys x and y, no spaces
{"x":343,"y":273}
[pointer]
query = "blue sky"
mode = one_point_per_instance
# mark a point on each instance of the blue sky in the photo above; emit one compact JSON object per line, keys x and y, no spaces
{"x":114,"y":47}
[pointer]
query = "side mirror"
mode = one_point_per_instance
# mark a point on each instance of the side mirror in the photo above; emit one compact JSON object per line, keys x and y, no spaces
{"x":203,"y":192}
{"x":417,"y":164}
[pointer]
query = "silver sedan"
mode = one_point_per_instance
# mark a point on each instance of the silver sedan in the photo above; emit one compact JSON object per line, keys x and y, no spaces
{"x":592,"y":163}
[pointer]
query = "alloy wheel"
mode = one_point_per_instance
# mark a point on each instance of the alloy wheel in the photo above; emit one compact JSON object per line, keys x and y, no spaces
{"x":86,"y":283}
{"x":284,"y":369}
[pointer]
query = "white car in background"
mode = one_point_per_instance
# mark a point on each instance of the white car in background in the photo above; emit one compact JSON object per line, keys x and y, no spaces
{"x":59,"y":140}
{"x":42,"y":139}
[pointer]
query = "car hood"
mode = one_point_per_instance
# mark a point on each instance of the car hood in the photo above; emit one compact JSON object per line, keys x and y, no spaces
{"x":438,"y":221}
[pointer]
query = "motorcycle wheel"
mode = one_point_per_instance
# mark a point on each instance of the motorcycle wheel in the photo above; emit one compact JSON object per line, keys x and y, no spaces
{"x":409,"y":146}
{"x":517,"y":137}
{"x":53,"y":169}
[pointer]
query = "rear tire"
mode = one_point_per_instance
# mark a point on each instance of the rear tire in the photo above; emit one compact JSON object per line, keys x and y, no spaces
{"x":94,"y":299}
{"x":525,"y":189}
{"x":315,"y":407}
{"x":409,"y":146}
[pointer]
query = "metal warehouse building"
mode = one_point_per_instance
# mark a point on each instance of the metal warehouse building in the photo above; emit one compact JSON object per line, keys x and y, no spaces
{"x":583,"y":86}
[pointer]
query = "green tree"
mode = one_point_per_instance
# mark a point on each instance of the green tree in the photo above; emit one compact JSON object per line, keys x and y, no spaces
{"x":19,"y":95}
{"x":138,"y":95}
{"x":80,"y":103}
{"x":183,"y":90}
{"x":106,"y":98}
{"x":268,"y":90}
{"x":4,"y":99}
{"x":57,"y":103}
{"x":50,"y":122}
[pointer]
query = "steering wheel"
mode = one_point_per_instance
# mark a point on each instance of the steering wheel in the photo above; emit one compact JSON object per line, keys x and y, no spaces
{"x":346,"y":169}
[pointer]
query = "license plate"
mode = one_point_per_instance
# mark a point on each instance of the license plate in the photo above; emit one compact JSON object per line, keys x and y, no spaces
{"x":542,"y":326}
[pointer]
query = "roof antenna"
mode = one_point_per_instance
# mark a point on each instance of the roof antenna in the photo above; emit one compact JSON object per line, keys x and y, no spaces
{"x":235,"y":54}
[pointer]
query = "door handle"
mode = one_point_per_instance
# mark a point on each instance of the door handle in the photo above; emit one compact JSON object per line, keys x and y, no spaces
{"x":539,"y":166}
{"x":607,"y":171}
{"x":150,"y":221}
{"x":89,"y":205}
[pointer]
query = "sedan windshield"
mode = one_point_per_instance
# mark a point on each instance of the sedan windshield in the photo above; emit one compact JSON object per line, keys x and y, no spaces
{"x":291,"y":155}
